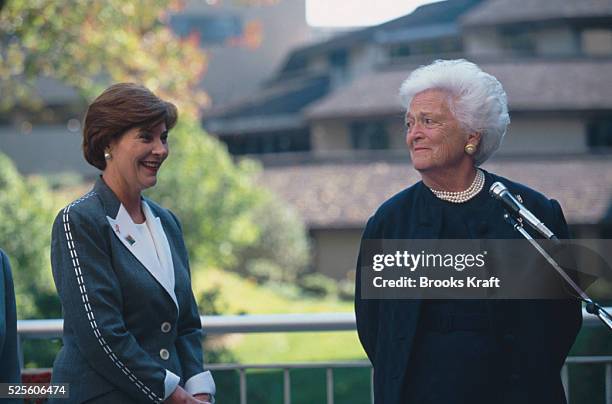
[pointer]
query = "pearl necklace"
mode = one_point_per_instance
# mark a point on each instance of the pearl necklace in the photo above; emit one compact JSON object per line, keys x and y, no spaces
{"x":463,"y":196}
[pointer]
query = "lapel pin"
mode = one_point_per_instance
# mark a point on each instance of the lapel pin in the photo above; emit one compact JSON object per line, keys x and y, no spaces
{"x":130,"y":239}
{"x":520,"y":199}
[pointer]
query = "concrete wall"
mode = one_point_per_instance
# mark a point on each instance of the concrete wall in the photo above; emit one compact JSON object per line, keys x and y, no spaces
{"x":363,"y":59}
{"x":335,"y":251}
{"x":597,"y":42}
{"x":482,"y":42}
{"x":397,"y":134}
{"x":236,"y":71}
{"x":545,"y":135}
{"x":45,"y":150}
{"x":334,"y":135}
{"x":330,"y":136}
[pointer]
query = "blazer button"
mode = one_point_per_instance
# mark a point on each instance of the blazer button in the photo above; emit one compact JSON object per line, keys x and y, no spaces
{"x":164,"y":354}
{"x":166,"y":327}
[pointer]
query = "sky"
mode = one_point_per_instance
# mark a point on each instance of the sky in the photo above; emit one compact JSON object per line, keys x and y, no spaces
{"x":353,"y":13}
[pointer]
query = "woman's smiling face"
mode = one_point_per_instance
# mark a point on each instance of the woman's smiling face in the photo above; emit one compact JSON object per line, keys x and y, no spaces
{"x":434,"y":136}
{"x":137,"y":156}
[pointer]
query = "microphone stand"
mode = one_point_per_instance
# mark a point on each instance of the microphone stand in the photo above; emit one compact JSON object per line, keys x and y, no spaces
{"x":591,"y":306}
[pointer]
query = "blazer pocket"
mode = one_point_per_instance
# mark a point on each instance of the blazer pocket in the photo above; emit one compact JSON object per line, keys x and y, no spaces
{"x":90,"y":387}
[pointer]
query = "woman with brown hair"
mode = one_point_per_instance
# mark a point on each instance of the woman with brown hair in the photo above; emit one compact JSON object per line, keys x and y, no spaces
{"x":132,"y":331}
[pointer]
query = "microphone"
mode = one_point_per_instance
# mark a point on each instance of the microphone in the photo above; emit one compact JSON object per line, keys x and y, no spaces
{"x":501,"y":193}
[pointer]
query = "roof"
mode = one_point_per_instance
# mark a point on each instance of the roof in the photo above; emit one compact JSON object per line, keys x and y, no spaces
{"x":290,"y":92}
{"x":419,"y":33}
{"x":273,"y":108}
{"x":439,"y":13}
{"x":345,"y":195}
{"x":569,"y":85}
{"x":510,"y":11}
{"x":272,"y":99}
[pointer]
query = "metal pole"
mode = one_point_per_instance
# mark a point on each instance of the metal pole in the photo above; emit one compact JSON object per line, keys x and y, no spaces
{"x":330,"y":385}
{"x":372,"y":385}
{"x":565,"y":381}
{"x":20,"y":351}
{"x":608,"y":383}
{"x":243,"y":386}
{"x":286,"y":386}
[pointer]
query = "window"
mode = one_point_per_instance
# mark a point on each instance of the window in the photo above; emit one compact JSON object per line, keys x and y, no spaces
{"x":369,"y":136}
{"x":425,"y":47}
{"x":518,"y":41}
{"x":289,"y":141}
{"x":599,"y":134}
{"x":338,"y":59}
{"x":295,"y":64}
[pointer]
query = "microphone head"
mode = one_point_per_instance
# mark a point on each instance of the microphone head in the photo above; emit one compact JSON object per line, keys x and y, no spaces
{"x":497,"y":190}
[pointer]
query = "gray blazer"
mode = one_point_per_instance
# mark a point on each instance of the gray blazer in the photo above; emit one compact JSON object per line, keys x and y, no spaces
{"x":132,"y":332}
{"x":9,"y":362}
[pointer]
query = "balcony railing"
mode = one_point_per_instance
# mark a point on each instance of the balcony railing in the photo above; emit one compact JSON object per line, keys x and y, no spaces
{"x":243,"y":324}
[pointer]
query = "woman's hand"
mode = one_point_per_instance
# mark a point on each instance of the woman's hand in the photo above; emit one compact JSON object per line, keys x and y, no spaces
{"x":180,"y":396}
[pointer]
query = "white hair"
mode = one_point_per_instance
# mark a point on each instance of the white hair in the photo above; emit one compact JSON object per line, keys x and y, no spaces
{"x":477,"y":99}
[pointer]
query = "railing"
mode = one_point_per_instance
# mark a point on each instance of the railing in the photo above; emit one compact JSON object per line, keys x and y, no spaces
{"x":300,"y":322}
{"x":287,"y":367}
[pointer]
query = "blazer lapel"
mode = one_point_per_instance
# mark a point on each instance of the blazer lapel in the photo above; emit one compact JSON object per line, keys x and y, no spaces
{"x":163,"y":250}
{"x":125,"y":230}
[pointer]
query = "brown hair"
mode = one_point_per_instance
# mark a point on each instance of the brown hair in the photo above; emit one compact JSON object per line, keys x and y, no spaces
{"x":119,"y":108}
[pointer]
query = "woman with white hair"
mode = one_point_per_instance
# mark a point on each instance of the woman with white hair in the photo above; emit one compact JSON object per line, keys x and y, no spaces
{"x":461,"y":351}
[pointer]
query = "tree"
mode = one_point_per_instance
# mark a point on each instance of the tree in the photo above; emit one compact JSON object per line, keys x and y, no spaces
{"x":213,"y":197}
{"x":89,"y":44}
{"x":26,"y":216}
{"x":282,"y":252}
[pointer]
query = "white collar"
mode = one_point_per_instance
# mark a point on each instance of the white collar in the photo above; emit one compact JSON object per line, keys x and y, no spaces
{"x":163,"y":269}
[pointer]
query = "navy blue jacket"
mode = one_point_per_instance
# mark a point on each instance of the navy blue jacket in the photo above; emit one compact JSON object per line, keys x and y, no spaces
{"x":535,"y":345}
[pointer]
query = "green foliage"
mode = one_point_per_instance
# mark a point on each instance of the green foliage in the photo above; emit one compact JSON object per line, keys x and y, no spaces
{"x":90,"y":44}
{"x":282,"y":252}
{"x":210,"y":302}
{"x":263,"y":271}
{"x":212,"y":196}
{"x":318,"y":285}
{"x":346,"y":290}
{"x":26,"y":216}
{"x":228,"y":221}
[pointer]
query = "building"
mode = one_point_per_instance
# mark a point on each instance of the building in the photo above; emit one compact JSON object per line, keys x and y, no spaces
{"x":233,"y":35}
{"x":236,"y":36}
{"x":329,"y":126}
